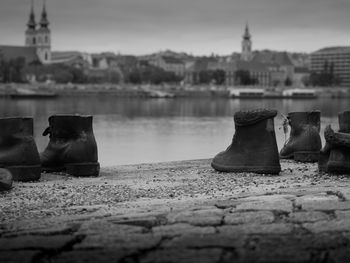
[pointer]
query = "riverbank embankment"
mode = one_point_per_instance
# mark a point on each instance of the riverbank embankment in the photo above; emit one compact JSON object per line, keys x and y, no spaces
{"x":178,"y":212}
{"x":162,"y":91}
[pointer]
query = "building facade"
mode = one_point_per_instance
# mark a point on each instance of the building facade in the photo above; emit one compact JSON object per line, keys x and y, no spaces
{"x":39,"y":38}
{"x":339,"y":57}
{"x":170,"y":64}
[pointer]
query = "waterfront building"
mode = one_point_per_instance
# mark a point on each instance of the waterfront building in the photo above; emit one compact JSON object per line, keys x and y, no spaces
{"x":75,"y":59}
{"x":8,"y":53}
{"x":301,"y":75}
{"x":170,"y":64}
{"x":276,"y":61}
{"x":39,"y":38}
{"x":194,"y":68}
{"x":339,"y":57}
{"x":37,"y":46}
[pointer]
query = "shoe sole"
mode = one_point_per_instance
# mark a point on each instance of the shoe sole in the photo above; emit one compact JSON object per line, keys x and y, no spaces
{"x":76,"y":169}
{"x":244,"y":169}
{"x":337,"y":167}
{"x":306,"y":157}
{"x":83,"y":169}
{"x":25,"y":173}
{"x":303,"y":156}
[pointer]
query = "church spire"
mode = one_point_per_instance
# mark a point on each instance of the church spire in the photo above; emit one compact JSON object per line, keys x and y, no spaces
{"x":31,"y":22}
{"x":246,"y":35}
{"x":44,"y":22}
{"x":246,"y":45}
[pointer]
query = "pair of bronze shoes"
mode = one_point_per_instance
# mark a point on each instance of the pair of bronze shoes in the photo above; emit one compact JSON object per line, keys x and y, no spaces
{"x":72,"y":148}
{"x":254,"y":147}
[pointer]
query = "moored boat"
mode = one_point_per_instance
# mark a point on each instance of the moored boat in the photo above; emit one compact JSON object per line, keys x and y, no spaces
{"x":258,"y":93}
{"x":299,"y":94}
{"x":247,"y":93}
{"x":32,"y":94}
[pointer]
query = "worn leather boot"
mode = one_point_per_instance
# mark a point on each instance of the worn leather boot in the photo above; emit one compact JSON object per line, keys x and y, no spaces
{"x":18,"y":151}
{"x":5,"y":180}
{"x":72,"y":147}
{"x":304,"y":143}
{"x":339,"y":157}
{"x":253,"y":147}
{"x":344,"y":127}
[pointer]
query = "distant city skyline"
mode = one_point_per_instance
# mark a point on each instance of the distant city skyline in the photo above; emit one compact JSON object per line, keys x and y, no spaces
{"x":200,"y":27}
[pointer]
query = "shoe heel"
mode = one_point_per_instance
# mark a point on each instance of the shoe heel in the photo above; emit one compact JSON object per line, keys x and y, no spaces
{"x":306,"y":157}
{"x":83,"y":169}
{"x":25,"y":173}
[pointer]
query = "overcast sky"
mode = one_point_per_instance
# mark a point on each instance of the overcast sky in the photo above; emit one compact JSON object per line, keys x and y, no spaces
{"x":193,"y":26}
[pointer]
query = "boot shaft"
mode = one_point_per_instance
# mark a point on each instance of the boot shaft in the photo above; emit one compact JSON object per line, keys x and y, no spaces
{"x":259,"y":133}
{"x":255,"y":127}
{"x":69,"y":126}
{"x":298,"y":120}
{"x":16,"y":127}
{"x":344,"y":121}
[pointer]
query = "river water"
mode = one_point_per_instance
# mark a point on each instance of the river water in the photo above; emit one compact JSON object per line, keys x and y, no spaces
{"x":139,"y":130}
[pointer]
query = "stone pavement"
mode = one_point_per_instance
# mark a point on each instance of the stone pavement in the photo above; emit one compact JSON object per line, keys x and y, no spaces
{"x":178,"y":212}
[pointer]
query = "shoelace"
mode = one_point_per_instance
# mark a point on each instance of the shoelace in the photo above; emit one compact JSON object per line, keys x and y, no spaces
{"x":47,"y":131}
{"x":285,"y":124}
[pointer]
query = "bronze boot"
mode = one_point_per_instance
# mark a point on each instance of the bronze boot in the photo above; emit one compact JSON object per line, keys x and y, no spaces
{"x":5,"y":180}
{"x":18,"y":151}
{"x":344,"y":127}
{"x":72,"y":147}
{"x":253,"y":147}
{"x":339,"y":157}
{"x":304,"y":143}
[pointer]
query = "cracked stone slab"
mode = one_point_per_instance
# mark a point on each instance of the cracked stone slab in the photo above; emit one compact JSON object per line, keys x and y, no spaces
{"x":225,"y":204}
{"x":181,"y":229}
{"x":35,"y":242}
{"x":92,"y":256}
{"x":218,"y":240}
{"x":342,"y":214}
{"x":207,"y":217}
{"x":147,"y":220}
{"x":328,"y":226}
{"x":50,"y":231}
{"x":114,"y":240}
{"x":267,"y":202}
{"x":276,"y":255}
{"x":308,"y":216}
{"x":96,"y":227}
{"x":322,"y":203}
{"x":262,"y":217}
{"x":274,"y":228}
{"x":321,"y":241}
{"x":25,"y":256}
{"x":183,"y":256}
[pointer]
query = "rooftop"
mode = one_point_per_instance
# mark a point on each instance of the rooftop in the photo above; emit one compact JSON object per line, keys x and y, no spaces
{"x":172,"y":60}
{"x":13,"y":52}
{"x":334,"y":49}
{"x":279,"y":58}
{"x":252,"y":66}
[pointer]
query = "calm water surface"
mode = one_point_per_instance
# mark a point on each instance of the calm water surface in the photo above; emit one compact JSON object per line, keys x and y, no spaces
{"x":137,"y":130}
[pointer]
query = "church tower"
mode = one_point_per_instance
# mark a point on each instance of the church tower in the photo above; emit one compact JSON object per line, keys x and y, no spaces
{"x":246,"y":45}
{"x":31,"y":29}
{"x":43,"y":38}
